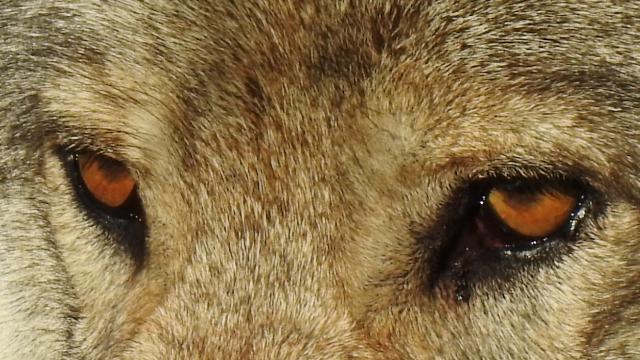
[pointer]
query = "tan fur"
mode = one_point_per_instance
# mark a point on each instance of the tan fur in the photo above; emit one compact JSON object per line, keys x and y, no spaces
{"x":295,"y":160}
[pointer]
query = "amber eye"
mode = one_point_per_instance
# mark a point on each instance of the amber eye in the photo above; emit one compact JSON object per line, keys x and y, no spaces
{"x":508,"y":225}
{"x":533,"y":213}
{"x":107,"y":180}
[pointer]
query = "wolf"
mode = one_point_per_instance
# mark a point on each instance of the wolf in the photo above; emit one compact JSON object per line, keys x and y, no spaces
{"x":350,"y":179}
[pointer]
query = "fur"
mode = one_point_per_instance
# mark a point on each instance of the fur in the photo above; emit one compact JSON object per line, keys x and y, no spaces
{"x":298,"y":162}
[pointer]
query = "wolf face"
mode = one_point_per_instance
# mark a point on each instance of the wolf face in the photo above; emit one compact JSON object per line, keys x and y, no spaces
{"x":319,"y":180}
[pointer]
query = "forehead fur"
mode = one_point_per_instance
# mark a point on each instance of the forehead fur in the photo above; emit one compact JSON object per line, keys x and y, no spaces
{"x":255,"y":59}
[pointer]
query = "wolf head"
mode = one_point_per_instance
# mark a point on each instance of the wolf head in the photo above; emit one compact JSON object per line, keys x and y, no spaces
{"x":356,"y":179}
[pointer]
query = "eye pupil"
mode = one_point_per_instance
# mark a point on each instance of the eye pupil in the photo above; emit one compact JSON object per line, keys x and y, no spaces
{"x":536,"y":214}
{"x":108,"y":180}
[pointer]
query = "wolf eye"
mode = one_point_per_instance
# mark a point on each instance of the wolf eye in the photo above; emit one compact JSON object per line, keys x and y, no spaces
{"x":510,"y":226}
{"x":107,"y":193}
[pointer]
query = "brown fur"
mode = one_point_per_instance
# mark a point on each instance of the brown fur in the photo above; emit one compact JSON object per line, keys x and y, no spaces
{"x":296,"y":160}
